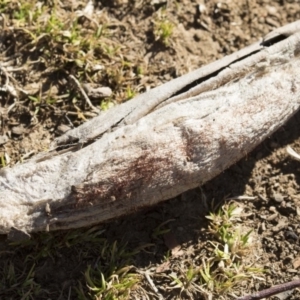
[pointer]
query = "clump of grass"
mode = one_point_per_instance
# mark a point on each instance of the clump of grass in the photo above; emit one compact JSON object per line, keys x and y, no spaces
{"x":106,"y":104}
{"x":163,"y":28}
{"x":19,"y":284}
{"x":52,"y":41}
{"x":186,"y":279}
{"x":228,"y":263}
{"x":109,"y":273}
{"x":112,"y":276}
{"x":163,"y":31}
{"x":49,"y":244}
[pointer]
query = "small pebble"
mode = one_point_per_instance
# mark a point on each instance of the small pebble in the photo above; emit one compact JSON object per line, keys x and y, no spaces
{"x":18,"y":130}
{"x":278,"y":197}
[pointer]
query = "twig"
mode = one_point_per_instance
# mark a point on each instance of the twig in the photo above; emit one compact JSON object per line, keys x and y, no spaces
{"x":87,"y":99}
{"x":276,"y":289}
{"x":7,"y":87}
{"x":154,"y":288}
{"x":242,"y":197}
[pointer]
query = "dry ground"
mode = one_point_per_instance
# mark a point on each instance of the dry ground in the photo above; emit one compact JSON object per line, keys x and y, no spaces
{"x":131,"y":46}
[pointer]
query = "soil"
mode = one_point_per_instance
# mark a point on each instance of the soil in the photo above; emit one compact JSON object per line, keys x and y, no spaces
{"x":204,"y":31}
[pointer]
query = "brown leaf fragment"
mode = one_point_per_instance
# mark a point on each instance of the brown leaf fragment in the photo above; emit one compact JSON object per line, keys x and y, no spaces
{"x":173,"y":245}
{"x":165,"y":266}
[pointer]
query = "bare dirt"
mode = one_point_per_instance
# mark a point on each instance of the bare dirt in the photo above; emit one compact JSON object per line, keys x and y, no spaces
{"x":204,"y":31}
